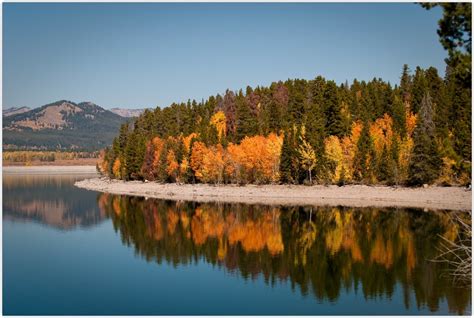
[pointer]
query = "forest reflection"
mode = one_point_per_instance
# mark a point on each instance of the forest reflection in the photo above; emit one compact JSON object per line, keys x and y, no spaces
{"x":323,"y":252}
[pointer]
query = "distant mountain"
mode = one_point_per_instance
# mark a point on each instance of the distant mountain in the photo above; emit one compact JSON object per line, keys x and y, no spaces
{"x":124,"y":112}
{"x":15,"y":110}
{"x":62,"y":125}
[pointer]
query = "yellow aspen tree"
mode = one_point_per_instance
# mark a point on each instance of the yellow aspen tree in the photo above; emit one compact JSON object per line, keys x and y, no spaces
{"x":187,"y":141}
{"x":411,"y":120}
{"x":218,"y":120}
{"x":406,"y":149}
{"x":381,"y":132}
{"x":307,"y":154}
{"x":356,"y":130}
{"x":158,"y":144}
{"x":274,"y":144}
{"x":197,"y":157}
{"x":116,"y":169}
{"x":102,"y":163}
{"x":333,"y":150}
{"x":348,"y":153}
{"x":233,"y":161}
{"x":183,"y":167}
{"x":212,"y":169}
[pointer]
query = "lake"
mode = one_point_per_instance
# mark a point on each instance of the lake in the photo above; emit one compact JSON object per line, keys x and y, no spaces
{"x":70,"y":251}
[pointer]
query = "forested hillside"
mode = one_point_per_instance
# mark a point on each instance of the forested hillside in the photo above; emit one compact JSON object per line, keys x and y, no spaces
{"x":62,"y":125}
{"x":306,"y":131}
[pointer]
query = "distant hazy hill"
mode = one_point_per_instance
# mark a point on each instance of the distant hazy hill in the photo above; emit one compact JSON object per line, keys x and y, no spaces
{"x":127,"y":112}
{"x":15,"y":110}
{"x":61,"y":125}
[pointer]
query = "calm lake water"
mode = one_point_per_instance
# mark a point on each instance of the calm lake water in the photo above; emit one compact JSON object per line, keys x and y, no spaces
{"x":71,"y":251}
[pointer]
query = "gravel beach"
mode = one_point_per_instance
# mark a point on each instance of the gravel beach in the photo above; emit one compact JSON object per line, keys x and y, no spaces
{"x":445,"y":198}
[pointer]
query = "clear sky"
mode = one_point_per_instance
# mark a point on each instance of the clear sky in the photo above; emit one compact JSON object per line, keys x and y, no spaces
{"x":153,"y":54}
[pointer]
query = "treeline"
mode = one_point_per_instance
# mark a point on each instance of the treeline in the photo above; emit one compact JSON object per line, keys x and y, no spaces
{"x":45,"y":156}
{"x":301,"y":131}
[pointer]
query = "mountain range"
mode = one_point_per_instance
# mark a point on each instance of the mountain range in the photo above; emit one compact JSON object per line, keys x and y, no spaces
{"x":124,"y":112}
{"x":128,"y":113}
{"x":62,"y":125}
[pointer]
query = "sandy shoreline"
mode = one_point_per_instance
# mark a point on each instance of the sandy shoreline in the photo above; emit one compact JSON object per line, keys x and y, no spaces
{"x":453,"y":198}
{"x":52,"y":170}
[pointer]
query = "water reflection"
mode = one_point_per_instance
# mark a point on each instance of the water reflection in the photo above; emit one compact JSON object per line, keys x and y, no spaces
{"x":321,"y":252}
{"x":50,"y":200}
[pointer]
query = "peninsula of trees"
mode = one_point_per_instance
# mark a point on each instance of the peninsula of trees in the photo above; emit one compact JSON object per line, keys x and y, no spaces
{"x":306,"y":132}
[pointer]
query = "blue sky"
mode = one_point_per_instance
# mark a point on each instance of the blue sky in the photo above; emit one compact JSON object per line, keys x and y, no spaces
{"x":153,"y":54}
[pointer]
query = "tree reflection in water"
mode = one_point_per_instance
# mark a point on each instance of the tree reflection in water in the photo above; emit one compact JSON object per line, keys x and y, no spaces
{"x":320,"y":251}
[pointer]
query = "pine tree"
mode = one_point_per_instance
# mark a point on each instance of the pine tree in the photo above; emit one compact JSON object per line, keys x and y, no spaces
{"x":119,"y":147}
{"x":355,"y":102}
{"x":463,"y":125}
{"x":134,"y":156}
{"x":425,"y":163}
{"x":315,"y":123}
{"x":399,"y":115}
{"x":455,"y":32}
{"x":364,"y":159}
{"x":277,"y":108}
{"x":385,"y":168}
{"x":395,"y":157}
{"x":161,"y":174}
{"x":246,"y":122}
{"x":334,"y":119}
{"x":286,"y":158}
{"x":296,"y":102}
{"x":180,"y":150}
{"x":342,"y":177}
{"x":420,"y":86}
{"x":405,"y":84}
{"x":459,"y":115}
{"x":212,"y":136}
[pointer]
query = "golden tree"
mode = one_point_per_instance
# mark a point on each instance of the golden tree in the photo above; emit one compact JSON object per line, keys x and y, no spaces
{"x":218,"y":120}
{"x":197,"y":156}
{"x":307,"y":154}
{"x":334,"y":152}
{"x":116,"y":168}
{"x":172,"y":165}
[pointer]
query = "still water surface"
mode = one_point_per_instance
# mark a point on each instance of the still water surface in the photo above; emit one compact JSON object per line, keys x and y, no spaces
{"x":72,"y":251}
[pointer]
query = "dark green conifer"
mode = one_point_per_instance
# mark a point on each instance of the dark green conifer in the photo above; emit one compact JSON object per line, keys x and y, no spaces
{"x":334,"y":120}
{"x":425,"y":162}
{"x":134,"y":156}
{"x":385,"y":171}
{"x":419,"y":89}
{"x":364,"y":159}
{"x":405,"y":84}
{"x":287,"y":153}
{"x":399,"y":115}
{"x":246,"y":122}
{"x":161,"y":174}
